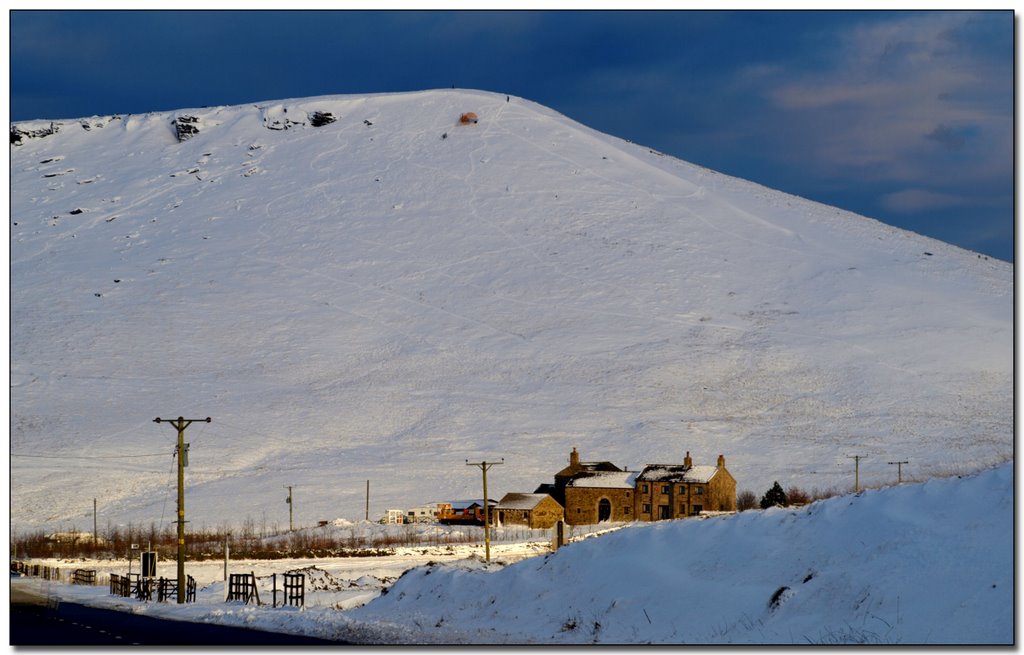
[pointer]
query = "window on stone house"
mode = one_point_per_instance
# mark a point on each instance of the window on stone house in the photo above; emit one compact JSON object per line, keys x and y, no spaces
{"x":643,"y":488}
{"x":682,"y":488}
{"x":665,"y":489}
{"x":697,"y":509}
{"x":625,"y":510}
{"x":646,"y":509}
{"x":698,"y":490}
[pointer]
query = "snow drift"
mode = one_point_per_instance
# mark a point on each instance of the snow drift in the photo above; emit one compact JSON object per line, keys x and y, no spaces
{"x":922,"y":564}
{"x":359,"y":288}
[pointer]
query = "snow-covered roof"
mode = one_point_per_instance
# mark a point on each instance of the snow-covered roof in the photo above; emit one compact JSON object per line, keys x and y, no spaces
{"x":606,"y":480}
{"x":700,"y":474}
{"x":586,"y":467}
{"x":677,"y":473}
{"x":520,"y":501}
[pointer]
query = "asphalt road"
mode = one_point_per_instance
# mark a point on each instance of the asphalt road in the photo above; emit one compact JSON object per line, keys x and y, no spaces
{"x":35,"y":623}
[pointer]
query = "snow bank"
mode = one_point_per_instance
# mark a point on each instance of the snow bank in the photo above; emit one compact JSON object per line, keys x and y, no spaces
{"x":919,"y":564}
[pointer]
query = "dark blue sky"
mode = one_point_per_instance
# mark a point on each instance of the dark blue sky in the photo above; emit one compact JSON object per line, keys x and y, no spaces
{"x":906,"y":117}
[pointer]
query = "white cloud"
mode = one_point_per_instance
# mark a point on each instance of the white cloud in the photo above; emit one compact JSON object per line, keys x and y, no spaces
{"x":891,"y":88}
{"x":909,"y":201}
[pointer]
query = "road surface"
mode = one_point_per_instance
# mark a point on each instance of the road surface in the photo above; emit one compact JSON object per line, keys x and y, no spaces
{"x":35,"y":621}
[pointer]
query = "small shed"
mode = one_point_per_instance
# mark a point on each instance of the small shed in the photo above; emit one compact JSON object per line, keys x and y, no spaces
{"x":537,"y":511}
{"x":469,"y":118}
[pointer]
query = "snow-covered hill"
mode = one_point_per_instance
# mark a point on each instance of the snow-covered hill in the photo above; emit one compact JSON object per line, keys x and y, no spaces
{"x":385,"y":295}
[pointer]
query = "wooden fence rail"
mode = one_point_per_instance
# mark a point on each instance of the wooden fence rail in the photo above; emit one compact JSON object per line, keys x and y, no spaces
{"x":294,"y":592}
{"x":36,"y":570}
{"x":166,"y":588}
{"x":120,"y":585}
{"x":242,"y":586}
{"x":295,"y":589}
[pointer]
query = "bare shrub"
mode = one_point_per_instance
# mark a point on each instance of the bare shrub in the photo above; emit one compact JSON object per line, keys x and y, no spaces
{"x":821,"y":494}
{"x":745,"y":500}
{"x":797,"y":496}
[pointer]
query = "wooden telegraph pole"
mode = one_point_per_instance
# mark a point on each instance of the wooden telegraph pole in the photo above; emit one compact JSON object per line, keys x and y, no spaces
{"x":483,"y":466}
{"x":182,"y":452}
{"x":899,"y":470}
{"x":856,"y":471}
{"x":290,"y":506}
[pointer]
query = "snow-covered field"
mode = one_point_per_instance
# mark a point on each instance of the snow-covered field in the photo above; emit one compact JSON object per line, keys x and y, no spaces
{"x":387,"y":295}
{"x":928,"y":563}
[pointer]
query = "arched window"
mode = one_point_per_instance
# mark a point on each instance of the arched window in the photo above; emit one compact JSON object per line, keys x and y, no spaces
{"x":604,"y":510}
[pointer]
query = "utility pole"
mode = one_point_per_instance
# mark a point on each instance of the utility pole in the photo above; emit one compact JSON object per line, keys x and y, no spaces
{"x":227,"y":554}
{"x":367,"y":517}
{"x":182,"y":452}
{"x":483,"y":466}
{"x":899,"y":470}
{"x":856,"y":469}
{"x":95,"y":532}
{"x":290,"y":506}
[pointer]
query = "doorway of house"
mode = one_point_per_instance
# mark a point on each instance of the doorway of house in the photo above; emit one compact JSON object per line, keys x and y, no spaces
{"x":604,"y":510}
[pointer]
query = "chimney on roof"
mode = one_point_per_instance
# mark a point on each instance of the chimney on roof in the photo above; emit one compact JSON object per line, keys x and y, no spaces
{"x":574,"y":458}
{"x":688,"y":461}
{"x":721,"y":461}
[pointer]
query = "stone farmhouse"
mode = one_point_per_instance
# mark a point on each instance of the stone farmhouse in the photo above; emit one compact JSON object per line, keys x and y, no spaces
{"x":599,"y":491}
{"x":575,"y":470}
{"x":530,"y":510}
{"x":672,"y":491}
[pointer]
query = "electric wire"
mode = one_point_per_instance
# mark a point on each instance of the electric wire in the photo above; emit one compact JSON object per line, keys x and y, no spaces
{"x":89,"y":456}
{"x":167,"y":489}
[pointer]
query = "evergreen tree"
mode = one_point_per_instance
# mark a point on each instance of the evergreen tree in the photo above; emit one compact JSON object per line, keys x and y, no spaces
{"x":774,"y":496}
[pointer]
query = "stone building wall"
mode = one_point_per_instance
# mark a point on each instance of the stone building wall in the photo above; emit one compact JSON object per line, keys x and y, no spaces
{"x":546,"y":514}
{"x":722,"y":492}
{"x":543,"y":515}
{"x":581,"y":504}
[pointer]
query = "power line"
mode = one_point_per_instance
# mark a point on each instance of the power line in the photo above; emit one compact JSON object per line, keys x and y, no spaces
{"x":89,"y":456}
{"x":169,"y":489}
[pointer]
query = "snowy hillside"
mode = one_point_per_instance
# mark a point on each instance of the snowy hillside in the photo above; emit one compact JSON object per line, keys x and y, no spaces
{"x":384,"y":295}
